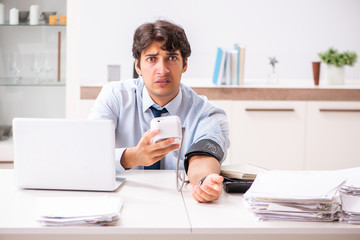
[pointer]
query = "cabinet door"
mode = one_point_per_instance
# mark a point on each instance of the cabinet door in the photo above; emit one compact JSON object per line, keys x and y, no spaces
{"x":269,"y":134}
{"x":333,"y":135}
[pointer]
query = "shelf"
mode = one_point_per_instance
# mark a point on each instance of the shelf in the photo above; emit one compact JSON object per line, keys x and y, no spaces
{"x":258,"y":93}
{"x":6,"y":24}
{"x":31,"y":82}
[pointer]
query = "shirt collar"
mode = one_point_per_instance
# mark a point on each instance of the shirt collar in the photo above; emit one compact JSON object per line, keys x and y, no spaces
{"x":147,"y":101}
{"x":172,"y":106}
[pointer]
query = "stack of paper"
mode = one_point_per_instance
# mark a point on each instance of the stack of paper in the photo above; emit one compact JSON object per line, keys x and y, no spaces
{"x":350,"y":198}
{"x":295,"y":195}
{"x":60,"y":211}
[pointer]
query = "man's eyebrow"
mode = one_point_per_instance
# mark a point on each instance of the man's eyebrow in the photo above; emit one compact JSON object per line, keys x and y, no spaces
{"x":156,"y":54}
{"x":151,"y":54}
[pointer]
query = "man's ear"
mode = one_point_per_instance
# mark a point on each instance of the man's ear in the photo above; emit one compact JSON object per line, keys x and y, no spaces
{"x":185,"y":65}
{"x":138,"y":70}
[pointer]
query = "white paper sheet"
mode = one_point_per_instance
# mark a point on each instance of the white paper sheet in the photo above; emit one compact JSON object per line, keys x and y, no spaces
{"x":295,"y":185}
{"x":66,"y":207}
{"x":306,"y":195}
{"x":55,"y":211}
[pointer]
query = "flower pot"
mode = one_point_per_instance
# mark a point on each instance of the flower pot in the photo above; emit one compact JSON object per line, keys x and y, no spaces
{"x":334,"y":75}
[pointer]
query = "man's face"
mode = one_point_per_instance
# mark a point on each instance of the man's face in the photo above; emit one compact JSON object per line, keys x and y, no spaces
{"x":161,"y":71}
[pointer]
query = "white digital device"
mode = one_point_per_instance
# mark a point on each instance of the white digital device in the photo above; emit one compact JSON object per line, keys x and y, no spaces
{"x":170,"y":127}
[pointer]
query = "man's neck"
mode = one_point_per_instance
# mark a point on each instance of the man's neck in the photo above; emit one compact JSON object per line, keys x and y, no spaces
{"x":160,"y":101}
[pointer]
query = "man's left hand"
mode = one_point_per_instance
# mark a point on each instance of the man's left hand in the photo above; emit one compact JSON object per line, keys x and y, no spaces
{"x":210,"y":189}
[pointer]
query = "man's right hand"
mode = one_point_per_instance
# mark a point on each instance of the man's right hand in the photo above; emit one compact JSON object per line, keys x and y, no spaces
{"x":145,"y":153}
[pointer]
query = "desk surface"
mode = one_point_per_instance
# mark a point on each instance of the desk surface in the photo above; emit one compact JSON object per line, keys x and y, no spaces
{"x":230,"y":216}
{"x":151,"y":204}
{"x":154,"y":209}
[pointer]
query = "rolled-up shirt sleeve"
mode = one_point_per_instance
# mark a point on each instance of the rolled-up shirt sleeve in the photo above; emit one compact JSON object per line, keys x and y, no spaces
{"x":118,"y":154}
{"x":214,"y":126}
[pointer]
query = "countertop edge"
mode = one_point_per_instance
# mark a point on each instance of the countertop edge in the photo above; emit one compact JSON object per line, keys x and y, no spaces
{"x":258,"y":93}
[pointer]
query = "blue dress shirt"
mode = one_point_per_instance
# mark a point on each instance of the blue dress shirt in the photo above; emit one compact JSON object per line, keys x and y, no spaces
{"x":128,"y":104}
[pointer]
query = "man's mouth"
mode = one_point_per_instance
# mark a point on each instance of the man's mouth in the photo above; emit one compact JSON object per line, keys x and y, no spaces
{"x":162,"y":82}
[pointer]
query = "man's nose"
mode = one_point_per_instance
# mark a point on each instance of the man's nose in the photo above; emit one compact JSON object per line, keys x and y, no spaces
{"x":162,"y":67}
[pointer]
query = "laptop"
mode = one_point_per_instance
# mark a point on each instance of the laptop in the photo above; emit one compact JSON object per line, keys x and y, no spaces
{"x":65,"y":154}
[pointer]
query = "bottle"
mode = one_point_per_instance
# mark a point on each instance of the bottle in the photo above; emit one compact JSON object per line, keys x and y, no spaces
{"x":14,"y":16}
{"x":34,"y":14}
{"x":2,"y":14}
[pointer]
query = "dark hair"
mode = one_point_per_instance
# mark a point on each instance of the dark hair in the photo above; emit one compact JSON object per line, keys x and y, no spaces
{"x":172,"y":35}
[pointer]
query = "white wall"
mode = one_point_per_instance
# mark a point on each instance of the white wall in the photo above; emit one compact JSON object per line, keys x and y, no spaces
{"x":293,"y":31}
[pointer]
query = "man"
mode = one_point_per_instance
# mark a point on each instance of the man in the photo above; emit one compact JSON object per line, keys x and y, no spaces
{"x":161,"y":52}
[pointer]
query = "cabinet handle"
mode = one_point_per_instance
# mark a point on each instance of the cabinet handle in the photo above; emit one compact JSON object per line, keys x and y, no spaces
{"x":269,"y":109}
{"x":59,"y":52}
{"x":338,"y":110}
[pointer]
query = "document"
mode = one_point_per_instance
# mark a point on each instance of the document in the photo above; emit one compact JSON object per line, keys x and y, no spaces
{"x":296,"y":185}
{"x":296,"y":195}
{"x":54,"y":211}
{"x":350,"y":197}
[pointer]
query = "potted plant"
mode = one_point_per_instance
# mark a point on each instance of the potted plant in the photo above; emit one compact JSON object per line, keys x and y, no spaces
{"x":334,"y":71}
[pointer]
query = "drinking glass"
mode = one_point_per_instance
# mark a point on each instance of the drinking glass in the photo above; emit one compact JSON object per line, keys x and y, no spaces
{"x":15,"y":66}
{"x":36,"y":67}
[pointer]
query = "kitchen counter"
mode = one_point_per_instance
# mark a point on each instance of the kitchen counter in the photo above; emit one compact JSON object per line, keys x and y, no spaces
{"x":263,"y":92}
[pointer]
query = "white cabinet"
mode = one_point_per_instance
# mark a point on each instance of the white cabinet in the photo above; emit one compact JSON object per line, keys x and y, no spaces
{"x":332,"y":135}
{"x":268,"y":133}
{"x":294,"y":135}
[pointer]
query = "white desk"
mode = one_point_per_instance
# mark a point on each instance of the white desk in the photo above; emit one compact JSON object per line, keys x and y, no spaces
{"x":152,"y":206}
{"x":153,"y":209}
{"x":228,"y":218}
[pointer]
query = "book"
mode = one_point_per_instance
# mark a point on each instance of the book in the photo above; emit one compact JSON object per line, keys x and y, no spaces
{"x":217,"y":65}
{"x":241,"y":171}
{"x":234,"y":66}
{"x":241,"y":63}
{"x":221,"y":76}
{"x":228,"y":64}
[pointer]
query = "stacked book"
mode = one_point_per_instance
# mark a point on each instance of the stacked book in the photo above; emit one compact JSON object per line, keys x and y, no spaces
{"x":350,"y":198}
{"x":64,"y":211}
{"x":229,"y":66}
{"x":295,"y":195}
{"x":239,"y":177}
{"x":241,"y":171}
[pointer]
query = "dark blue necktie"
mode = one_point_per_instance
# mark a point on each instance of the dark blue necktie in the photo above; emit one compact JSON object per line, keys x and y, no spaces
{"x":156,"y":113}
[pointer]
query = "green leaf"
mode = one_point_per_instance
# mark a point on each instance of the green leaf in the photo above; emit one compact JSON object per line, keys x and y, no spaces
{"x":332,"y":56}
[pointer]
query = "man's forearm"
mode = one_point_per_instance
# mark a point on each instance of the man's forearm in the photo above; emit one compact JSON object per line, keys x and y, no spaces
{"x":127,"y":159}
{"x":201,"y":166}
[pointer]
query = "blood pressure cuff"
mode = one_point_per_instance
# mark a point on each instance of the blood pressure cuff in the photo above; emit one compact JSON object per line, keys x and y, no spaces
{"x":204,"y":147}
